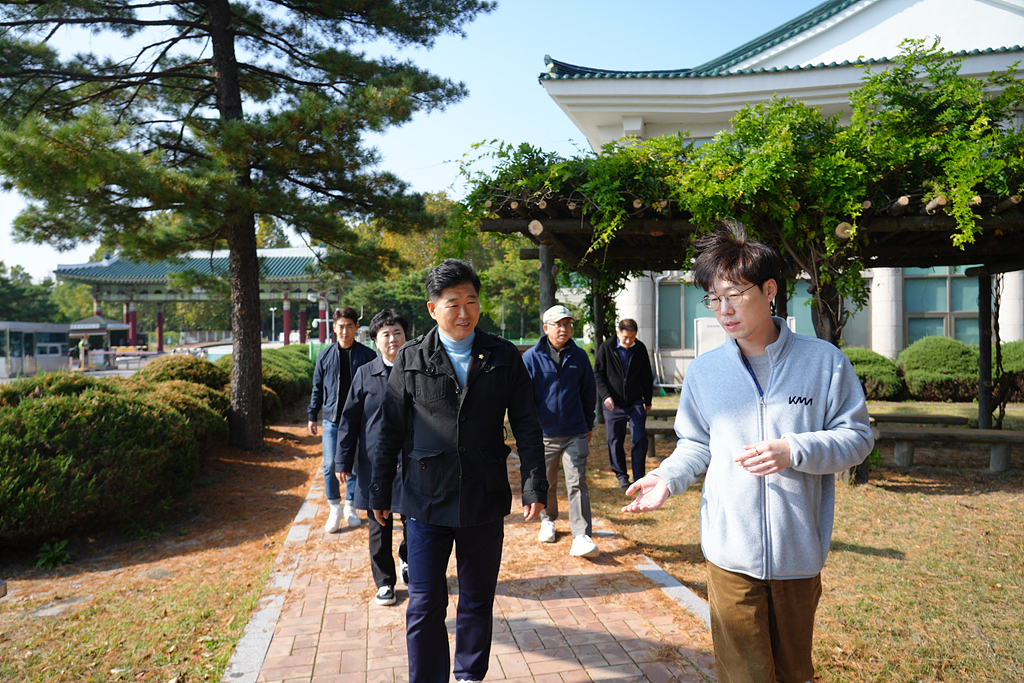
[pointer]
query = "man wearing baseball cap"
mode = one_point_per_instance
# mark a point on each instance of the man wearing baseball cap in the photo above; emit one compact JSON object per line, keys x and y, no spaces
{"x":566,"y":395}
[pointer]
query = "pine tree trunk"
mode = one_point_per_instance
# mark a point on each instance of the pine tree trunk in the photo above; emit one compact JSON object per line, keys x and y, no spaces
{"x":246,"y":413}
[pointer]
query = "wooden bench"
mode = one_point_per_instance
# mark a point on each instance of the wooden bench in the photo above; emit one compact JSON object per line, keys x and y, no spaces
{"x":935,"y":420}
{"x":906,"y":438}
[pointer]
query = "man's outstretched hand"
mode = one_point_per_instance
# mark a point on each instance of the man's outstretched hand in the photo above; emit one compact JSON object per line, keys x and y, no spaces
{"x":653,"y":494}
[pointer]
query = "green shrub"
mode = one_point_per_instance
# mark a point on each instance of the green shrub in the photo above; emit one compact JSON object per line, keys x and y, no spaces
{"x":60,"y":383}
{"x":81,"y":460}
{"x":940,"y":369}
{"x":287,"y":372}
{"x":877,"y":374}
{"x":204,"y":409}
{"x":185,"y":367}
{"x":1013,"y":357}
{"x":272,"y":407}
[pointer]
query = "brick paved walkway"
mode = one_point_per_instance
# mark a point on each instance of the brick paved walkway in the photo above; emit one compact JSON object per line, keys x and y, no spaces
{"x":557,"y":619}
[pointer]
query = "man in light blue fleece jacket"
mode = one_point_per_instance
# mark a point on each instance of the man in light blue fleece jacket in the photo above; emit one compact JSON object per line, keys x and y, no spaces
{"x":770,"y":416}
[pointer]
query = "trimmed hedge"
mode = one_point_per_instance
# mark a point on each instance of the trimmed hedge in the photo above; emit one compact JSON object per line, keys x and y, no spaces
{"x":185,"y":367}
{"x":204,"y":409}
{"x":286,"y":371}
{"x":940,"y":369}
{"x":877,"y":374}
{"x":86,"y":459}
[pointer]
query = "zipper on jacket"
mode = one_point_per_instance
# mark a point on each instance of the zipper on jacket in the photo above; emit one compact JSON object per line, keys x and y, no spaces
{"x":762,"y":419}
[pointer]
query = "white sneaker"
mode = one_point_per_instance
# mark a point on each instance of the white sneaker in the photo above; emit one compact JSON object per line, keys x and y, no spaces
{"x":583,"y":546}
{"x":350,"y":516}
{"x":333,"y":519}
{"x":547,"y":531}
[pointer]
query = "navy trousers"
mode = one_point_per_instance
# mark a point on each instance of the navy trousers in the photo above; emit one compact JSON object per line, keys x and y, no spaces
{"x":615,"y":426}
{"x":478,"y":558}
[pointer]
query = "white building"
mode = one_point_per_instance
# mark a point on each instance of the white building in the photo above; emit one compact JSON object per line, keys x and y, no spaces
{"x":811,"y":58}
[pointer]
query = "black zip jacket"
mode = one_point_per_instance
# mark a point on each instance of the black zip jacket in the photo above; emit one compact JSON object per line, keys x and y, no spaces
{"x":638,"y":384}
{"x":455,"y":475}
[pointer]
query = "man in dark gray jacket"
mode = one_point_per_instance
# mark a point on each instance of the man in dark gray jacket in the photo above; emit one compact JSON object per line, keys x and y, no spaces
{"x":452,"y":388}
{"x":332,"y":376}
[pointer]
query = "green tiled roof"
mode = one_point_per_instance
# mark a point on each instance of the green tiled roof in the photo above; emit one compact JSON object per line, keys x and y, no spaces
{"x":276,"y":265}
{"x":556,"y":70}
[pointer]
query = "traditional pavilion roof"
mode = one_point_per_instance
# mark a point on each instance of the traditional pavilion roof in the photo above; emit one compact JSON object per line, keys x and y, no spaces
{"x":556,"y":70}
{"x":721,"y":65}
{"x":276,"y":265}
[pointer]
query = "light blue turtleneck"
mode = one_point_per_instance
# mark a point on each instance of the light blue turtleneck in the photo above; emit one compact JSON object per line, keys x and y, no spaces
{"x":459,"y":353}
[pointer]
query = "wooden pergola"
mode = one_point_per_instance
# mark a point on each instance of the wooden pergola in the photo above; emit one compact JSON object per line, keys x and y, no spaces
{"x":904,"y":232}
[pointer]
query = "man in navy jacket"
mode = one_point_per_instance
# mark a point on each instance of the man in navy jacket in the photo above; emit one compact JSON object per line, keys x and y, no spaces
{"x":332,"y":376}
{"x":565,"y":393}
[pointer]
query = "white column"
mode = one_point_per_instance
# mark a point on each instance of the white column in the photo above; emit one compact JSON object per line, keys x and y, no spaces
{"x":887,"y":311}
{"x":1011,"y":307}
{"x":637,"y":301}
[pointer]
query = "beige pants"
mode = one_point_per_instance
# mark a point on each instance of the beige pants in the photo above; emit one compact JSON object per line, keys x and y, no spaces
{"x":762,"y":630}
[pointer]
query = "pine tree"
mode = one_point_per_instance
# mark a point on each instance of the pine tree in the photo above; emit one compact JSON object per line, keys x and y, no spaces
{"x":221,"y":113}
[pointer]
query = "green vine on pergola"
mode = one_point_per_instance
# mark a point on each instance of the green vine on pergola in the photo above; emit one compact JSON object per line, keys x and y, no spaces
{"x":920,"y":136}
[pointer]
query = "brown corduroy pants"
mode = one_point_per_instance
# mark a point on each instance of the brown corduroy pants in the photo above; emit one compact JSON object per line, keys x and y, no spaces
{"x":762,"y":630}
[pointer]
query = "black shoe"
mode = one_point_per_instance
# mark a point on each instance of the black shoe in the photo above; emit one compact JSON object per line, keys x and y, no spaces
{"x":623,"y":482}
{"x":385,"y":595}
{"x":405,"y":572}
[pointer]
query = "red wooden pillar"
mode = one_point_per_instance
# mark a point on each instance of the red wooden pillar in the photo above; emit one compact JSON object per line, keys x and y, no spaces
{"x":302,"y":323}
{"x":133,"y":331}
{"x":96,"y":309}
{"x":286,"y":323}
{"x":160,"y":328}
{"x":322,"y":316}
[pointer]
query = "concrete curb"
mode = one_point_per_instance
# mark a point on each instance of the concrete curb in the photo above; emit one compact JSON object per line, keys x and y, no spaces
{"x":247,"y":661}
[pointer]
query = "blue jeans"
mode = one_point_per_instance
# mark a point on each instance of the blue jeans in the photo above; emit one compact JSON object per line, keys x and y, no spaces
{"x":478,"y":557}
{"x":331,"y":483}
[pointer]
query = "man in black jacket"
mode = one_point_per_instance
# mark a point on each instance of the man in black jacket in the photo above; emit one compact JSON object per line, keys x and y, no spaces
{"x":332,"y":376}
{"x":625,"y":384}
{"x":455,"y":384}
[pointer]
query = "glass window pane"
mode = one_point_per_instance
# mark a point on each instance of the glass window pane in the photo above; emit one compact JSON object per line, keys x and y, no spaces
{"x":923,"y":327}
{"x":693,"y":309}
{"x":964,"y":294}
{"x":924,"y":296}
{"x":15,"y":344}
{"x":800,"y":308}
{"x":30,"y":344}
{"x":670,"y":315}
{"x":966,"y":330}
{"x":3,"y":343}
{"x":937,"y":270}
{"x":857,"y":331}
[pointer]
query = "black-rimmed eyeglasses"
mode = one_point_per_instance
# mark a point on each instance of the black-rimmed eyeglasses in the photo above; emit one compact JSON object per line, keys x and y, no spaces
{"x":713,"y":303}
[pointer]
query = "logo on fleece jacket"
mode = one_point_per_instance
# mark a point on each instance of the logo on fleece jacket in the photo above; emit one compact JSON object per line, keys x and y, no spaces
{"x":806,"y":400}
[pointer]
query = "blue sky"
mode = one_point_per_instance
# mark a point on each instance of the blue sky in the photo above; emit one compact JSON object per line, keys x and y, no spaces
{"x":499,"y":61}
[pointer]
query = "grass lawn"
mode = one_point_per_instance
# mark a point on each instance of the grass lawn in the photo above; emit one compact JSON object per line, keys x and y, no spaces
{"x":925,"y":581}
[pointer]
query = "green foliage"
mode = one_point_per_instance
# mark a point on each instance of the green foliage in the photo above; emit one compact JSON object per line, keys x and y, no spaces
{"x":940,"y":369}
{"x":61,"y":383}
{"x":405,"y":294}
{"x":23,"y":301}
{"x":205,"y":409}
{"x":877,"y":374}
{"x":78,"y":460}
{"x":921,"y":124}
{"x":54,"y":554}
{"x":287,"y":377}
{"x":1013,"y":356}
{"x":272,"y":407}
{"x":184,"y":367}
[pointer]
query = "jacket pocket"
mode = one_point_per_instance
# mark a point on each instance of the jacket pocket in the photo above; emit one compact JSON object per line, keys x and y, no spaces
{"x":424,"y":475}
{"x":495,"y":470}
{"x":430,"y":386}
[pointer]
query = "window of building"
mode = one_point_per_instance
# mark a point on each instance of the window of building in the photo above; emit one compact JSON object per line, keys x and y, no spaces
{"x":940,"y":302}
{"x":679,"y":303}
{"x":856,"y":332}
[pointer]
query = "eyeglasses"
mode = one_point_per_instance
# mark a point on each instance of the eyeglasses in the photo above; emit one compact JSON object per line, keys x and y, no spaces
{"x":713,"y":303}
